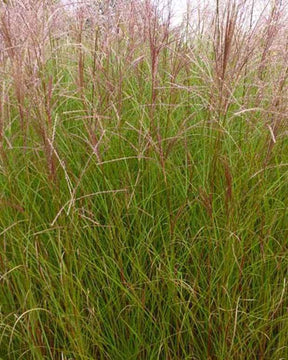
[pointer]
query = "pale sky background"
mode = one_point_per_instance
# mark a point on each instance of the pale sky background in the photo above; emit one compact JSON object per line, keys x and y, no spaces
{"x":179,"y":7}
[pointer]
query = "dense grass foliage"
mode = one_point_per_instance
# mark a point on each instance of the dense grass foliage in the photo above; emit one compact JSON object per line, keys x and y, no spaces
{"x":144,"y":183}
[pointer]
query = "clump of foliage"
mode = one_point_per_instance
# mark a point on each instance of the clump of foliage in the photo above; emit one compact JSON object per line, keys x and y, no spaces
{"x":144,"y":181}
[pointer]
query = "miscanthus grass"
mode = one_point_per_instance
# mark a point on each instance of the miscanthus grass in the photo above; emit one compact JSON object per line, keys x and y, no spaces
{"x":143,"y":181}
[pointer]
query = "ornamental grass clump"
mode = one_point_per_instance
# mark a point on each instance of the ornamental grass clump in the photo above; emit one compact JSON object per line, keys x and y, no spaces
{"x":143,"y":177}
